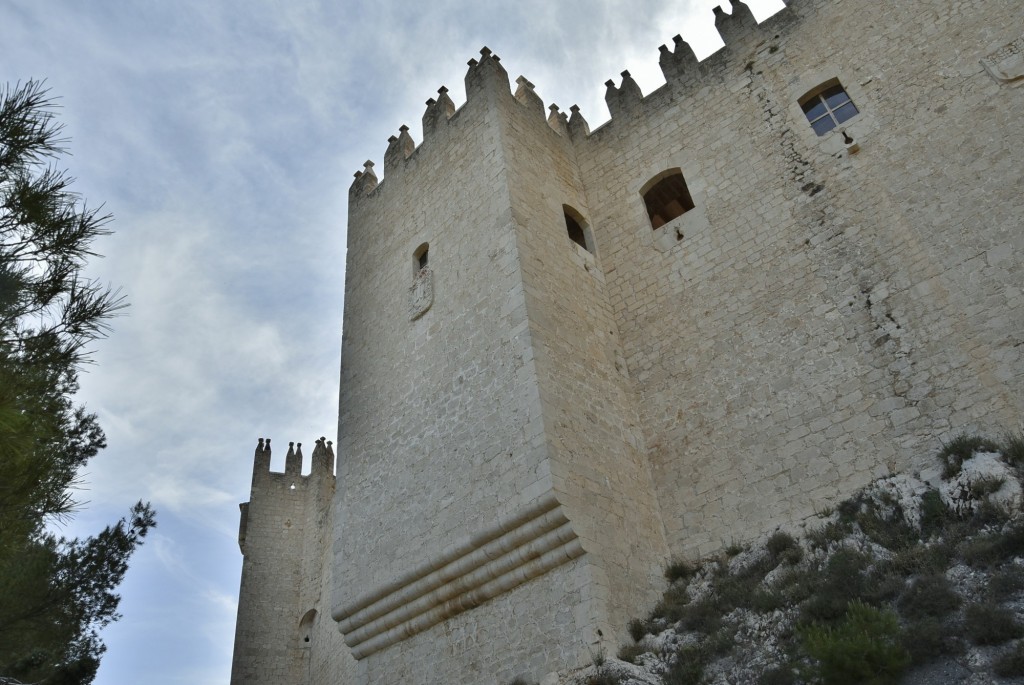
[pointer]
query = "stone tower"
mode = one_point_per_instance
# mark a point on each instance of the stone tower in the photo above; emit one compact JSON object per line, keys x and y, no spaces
{"x":489,"y":434}
{"x":284,"y":535}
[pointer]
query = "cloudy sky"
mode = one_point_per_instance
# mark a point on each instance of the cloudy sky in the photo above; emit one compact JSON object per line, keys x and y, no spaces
{"x":222,"y":135}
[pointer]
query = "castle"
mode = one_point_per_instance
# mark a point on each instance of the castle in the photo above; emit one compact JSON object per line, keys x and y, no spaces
{"x":570,"y":354}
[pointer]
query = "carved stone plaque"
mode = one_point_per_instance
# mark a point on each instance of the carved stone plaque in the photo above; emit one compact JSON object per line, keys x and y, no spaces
{"x":421,"y":294}
{"x":1006,"y":64}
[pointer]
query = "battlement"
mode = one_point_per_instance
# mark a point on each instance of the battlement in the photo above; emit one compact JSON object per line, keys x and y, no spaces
{"x":487,"y":80}
{"x":321,"y":461}
{"x":281,"y":485}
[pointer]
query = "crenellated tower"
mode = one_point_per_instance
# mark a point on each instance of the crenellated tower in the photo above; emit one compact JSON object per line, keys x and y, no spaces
{"x":284,"y":535}
{"x":490,"y":431}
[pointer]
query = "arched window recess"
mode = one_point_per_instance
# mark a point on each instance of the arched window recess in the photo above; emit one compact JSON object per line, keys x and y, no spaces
{"x":666,"y":197}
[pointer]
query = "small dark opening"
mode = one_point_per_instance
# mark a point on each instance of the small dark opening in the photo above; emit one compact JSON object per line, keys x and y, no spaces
{"x":420,"y":258}
{"x":575,"y":231}
{"x":306,"y":639}
{"x":667,"y":199}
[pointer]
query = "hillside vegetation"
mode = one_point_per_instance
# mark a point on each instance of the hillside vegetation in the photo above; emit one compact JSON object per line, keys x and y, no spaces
{"x":909,"y":581}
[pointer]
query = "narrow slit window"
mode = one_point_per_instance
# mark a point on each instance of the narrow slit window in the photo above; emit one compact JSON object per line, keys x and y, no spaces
{"x":827,"y":107}
{"x":420,"y":259}
{"x":667,"y":198}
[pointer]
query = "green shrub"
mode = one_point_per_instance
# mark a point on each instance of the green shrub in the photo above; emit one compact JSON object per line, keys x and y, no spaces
{"x":990,"y":514}
{"x":1011,"y":664}
{"x":1012,"y":448}
{"x":796,"y":585}
{"x":765,"y":601}
{"x":920,"y":560}
{"x":984,"y":551}
{"x":883,"y":584}
{"x":672,"y":606}
{"x":928,"y":638}
{"x":704,"y":616}
{"x":960,"y":449}
{"x":687,"y":668}
{"x":779,"y":543}
{"x":988,"y":624}
{"x":935,"y":515}
{"x":629,"y":653}
{"x":863,"y":649}
{"x":849,"y":508}
{"x":733,"y":591}
{"x":890,"y":530}
{"x":637,"y":629}
{"x":827,"y":534}
{"x":678,"y":569}
{"x":719,"y":643}
{"x":733,"y":549}
{"x":930,"y":596}
{"x":982,"y":487}
{"x":840,"y":581}
{"x":1006,"y":583}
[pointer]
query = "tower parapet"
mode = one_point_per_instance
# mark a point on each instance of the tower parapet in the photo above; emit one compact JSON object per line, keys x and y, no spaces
{"x":679,"y":63}
{"x":487,"y":78}
{"x":438,"y":111}
{"x":623,"y":100}
{"x":736,"y":25}
{"x":527,"y":96}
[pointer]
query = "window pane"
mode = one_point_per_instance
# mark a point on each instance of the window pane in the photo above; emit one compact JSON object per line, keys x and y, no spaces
{"x":835,"y":96}
{"x":823,"y":125}
{"x":814,"y":109}
{"x":845,"y":112}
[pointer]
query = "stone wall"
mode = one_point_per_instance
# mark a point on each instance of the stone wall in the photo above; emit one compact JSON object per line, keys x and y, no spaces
{"x":831,"y":306}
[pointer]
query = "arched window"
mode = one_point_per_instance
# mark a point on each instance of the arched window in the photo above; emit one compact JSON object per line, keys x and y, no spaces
{"x":419,"y":258}
{"x":666,"y":197}
{"x":306,"y":628}
{"x":578,"y":229}
{"x":421,"y":294}
{"x":827,"y":106}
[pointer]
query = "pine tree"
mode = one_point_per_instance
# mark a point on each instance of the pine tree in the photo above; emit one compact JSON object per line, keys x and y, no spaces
{"x":55,"y":593}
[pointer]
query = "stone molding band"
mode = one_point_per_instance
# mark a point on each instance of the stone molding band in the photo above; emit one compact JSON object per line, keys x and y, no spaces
{"x":525,"y":545}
